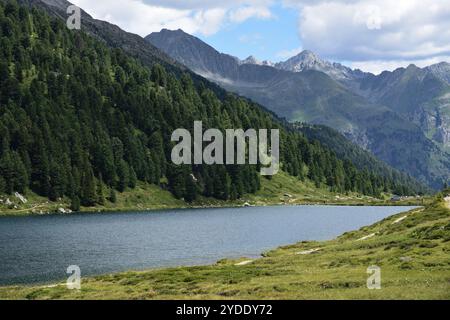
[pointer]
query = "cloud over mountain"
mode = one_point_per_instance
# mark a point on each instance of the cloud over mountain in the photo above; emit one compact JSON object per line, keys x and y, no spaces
{"x":368,"y":31}
{"x":372,"y":35}
{"x":194,"y":16}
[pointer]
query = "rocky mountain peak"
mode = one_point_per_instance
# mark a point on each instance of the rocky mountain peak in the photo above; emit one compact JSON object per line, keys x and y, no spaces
{"x":303,"y":61}
{"x":441,"y":70}
{"x":251,"y":60}
{"x":308,"y":60}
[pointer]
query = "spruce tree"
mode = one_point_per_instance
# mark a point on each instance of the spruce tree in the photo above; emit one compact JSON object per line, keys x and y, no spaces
{"x":75,"y":203}
{"x":2,"y":185}
{"x":123,"y":174}
{"x":133,"y":179}
{"x":100,"y":195}
{"x":88,"y":190}
{"x":191,"y":188}
{"x":112,"y":196}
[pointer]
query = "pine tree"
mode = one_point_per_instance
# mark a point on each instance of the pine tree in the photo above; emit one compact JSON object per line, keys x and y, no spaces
{"x":21,"y":175}
{"x":112,"y":196}
{"x":191,"y":188}
{"x":2,"y":185}
{"x":75,"y":204}
{"x":40,"y":167}
{"x":177,"y":183}
{"x":123,"y":174}
{"x":100,"y":195}
{"x":7,"y":171}
{"x":4,"y":73}
{"x":159,"y":75}
{"x":88,"y":190}
{"x":133,"y":179}
{"x":57,"y":181}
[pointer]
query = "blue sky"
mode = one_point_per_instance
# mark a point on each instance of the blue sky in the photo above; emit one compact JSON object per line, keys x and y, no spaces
{"x":372,"y":35}
{"x":267,"y":39}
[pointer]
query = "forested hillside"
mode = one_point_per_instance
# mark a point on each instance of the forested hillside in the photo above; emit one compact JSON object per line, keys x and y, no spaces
{"x":344,"y":149}
{"x":82,"y":120}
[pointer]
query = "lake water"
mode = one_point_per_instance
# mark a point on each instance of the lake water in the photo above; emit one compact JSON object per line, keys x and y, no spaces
{"x":39,"y":249}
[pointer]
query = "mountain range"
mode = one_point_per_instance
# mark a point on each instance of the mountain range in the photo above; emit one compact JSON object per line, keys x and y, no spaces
{"x":402,"y":117}
{"x":93,"y":110}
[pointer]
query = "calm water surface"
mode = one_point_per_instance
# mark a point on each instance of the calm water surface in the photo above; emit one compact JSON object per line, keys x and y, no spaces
{"x":39,"y":249}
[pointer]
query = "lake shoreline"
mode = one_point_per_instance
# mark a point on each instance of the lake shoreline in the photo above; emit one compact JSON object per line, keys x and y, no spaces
{"x":255,"y":255}
{"x":280,"y":190}
{"x":216,"y":206}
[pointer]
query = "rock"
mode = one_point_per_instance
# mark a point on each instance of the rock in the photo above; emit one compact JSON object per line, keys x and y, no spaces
{"x":244,"y":263}
{"x":367,"y":237}
{"x":8,"y":202}
{"x":21,"y":198}
{"x":399,"y":220}
{"x":251,"y":60}
{"x":62,"y":211}
{"x":311,"y":251}
{"x":443,"y":136}
{"x":405,"y":259}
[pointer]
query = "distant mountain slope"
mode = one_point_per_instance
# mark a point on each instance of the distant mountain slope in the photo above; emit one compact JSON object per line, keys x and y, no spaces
{"x":420,"y":95}
{"x":321,"y":93}
{"x":441,"y":70}
{"x":111,"y":34}
{"x":346,"y":150}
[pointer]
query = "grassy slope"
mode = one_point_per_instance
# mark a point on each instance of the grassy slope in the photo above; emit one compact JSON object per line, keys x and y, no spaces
{"x":413,"y":256}
{"x":150,"y":197}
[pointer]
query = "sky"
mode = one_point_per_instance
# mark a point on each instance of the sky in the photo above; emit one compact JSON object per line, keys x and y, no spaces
{"x":371,"y":35}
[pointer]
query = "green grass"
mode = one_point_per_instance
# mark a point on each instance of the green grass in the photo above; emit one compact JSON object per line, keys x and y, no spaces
{"x":413,"y":255}
{"x":282,"y":189}
{"x":143,"y":197}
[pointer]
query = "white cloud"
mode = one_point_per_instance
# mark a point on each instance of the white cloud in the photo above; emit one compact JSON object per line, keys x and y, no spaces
{"x":378,"y":66}
{"x":375,"y":30}
{"x":367,"y":33}
{"x":241,"y":14}
{"x":193,"y":16}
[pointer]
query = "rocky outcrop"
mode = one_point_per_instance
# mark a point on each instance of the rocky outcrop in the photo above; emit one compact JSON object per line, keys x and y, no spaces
{"x":441,"y":70}
{"x":443,"y":136}
{"x":307,"y":60}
